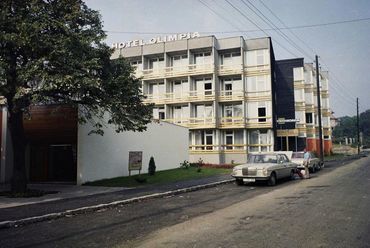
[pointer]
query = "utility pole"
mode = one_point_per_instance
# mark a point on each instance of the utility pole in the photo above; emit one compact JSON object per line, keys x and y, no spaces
{"x":319,"y":108}
{"x":358,"y":129}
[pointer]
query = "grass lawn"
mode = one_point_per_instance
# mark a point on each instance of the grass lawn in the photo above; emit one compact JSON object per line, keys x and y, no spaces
{"x":160,"y":177}
{"x":334,"y":156}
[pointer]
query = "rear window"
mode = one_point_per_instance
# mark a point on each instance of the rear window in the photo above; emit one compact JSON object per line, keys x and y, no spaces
{"x":297,"y":155}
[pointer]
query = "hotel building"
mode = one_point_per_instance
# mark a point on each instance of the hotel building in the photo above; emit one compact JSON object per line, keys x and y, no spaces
{"x":296,"y":98}
{"x":221,"y":89}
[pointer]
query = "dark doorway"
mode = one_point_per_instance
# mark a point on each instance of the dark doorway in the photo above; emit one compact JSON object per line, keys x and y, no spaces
{"x":61,"y":163}
{"x":53,"y":163}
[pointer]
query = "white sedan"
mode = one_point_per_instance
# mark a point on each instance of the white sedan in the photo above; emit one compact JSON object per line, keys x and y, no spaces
{"x":267,"y":167}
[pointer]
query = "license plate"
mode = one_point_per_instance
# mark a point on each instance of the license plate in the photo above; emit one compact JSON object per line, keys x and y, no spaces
{"x":249,"y":180}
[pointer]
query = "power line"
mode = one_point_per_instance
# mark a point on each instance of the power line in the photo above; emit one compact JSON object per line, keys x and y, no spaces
{"x":301,"y":40}
{"x":272,"y":25}
{"x":246,"y":17}
{"x":248,"y":31}
{"x":286,"y":27}
{"x":221,"y":16}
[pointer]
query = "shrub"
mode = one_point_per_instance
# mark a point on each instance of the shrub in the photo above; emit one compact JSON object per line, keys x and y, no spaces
{"x":151,"y":168}
{"x":185,"y":164}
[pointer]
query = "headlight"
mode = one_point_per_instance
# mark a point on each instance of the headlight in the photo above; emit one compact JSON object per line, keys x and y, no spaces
{"x":264,"y":171}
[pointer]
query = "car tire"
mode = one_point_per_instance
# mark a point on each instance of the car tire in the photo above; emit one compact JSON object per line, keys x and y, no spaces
{"x":292,"y":176}
{"x":272,"y":179}
{"x":313,"y":170}
{"x":239,"y":182}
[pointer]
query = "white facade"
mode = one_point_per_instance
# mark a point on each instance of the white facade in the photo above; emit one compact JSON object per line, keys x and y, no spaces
{"x":221,"y":89}
{"x":107,"y":156}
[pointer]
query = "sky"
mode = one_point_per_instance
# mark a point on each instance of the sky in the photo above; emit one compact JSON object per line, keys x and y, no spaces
{"x":343,"y":49}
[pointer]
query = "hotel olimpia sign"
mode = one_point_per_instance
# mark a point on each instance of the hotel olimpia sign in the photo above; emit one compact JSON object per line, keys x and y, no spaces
{"x":159,"y":39}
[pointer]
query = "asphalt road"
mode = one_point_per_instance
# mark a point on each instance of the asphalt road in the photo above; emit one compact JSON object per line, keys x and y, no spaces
{"x":329,"y":210}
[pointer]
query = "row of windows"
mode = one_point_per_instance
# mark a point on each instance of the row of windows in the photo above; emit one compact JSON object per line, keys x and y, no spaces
{"x":259,"y":111}
{"x":256,"y":57}
{"x":253,"y":84}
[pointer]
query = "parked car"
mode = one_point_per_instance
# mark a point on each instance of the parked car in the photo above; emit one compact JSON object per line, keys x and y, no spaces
{"x":267,"y":167}
{"x":313,"y":166}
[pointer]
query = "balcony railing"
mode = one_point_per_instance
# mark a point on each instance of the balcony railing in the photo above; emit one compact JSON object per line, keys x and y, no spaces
{"x":230,"y":148}
{"x":259,"y":95}
{"x":257,"y":70}
{"x":204,"y":148}
{"x":232,"y":122}
{"x":182,"y":122}
{"x":206,"y":95}
{"x":196,"y":69}
{"x":230,"y":69}
{"x":229,"y":95}
{"x":202,"y":122}
{"x":259,"y":122}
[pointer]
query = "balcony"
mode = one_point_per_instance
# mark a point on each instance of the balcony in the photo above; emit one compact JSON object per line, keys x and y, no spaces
{"x":257,"y":70}
{"x":232,"y":69}
{"x":259,"y":95}
{"x":199,"y":69}
{"x":231,"y":95}
{"x":196,"y":149}
{"x":156,"y":99}
{"x":153,"y":73}
{"x":177,"y":71}
{"x":299,"y":106}
{"x":181,"y":122}
{"x":232,"y":122}
{"x":299,"y":84}
{"x":177,"y":98}
{"x":206,"y":95}
{"x":259,"y":122}
{"x":234,"y":148}
{"x":202,"y":122}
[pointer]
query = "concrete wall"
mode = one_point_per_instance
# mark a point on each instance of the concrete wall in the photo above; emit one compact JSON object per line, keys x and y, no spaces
{"x":107,"y":156}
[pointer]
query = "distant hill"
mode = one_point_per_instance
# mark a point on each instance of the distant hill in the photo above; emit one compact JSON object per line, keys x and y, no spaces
{"x":347,"y":127}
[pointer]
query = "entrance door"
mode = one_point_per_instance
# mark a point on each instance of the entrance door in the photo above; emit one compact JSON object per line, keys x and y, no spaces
{"x":62,"y":166}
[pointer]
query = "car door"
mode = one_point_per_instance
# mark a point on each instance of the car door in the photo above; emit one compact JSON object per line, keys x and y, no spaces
{"x":281,"y":166}
{"x":286,"y":165}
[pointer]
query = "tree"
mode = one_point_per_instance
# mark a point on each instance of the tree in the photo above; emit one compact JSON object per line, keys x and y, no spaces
{"x":52,"y":51}
{"x":151,"y":167}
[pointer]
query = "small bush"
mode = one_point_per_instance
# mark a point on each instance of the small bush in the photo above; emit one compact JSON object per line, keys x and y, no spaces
{"x":152,"y":167}
{"x":199,"y":170}
{"x":185,"y":165}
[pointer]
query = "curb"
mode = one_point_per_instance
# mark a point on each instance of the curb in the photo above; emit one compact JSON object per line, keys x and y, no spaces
{"x":82,"y":210}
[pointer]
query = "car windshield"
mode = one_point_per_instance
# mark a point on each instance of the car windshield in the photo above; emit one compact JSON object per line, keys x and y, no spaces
{"x":262,"y":158}
{"x":297,"y":155}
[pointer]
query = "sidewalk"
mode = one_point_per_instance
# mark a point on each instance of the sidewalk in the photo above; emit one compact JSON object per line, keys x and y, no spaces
{"x":83,"y":196}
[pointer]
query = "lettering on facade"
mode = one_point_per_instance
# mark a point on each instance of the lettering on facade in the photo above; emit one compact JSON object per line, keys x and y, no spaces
{"x":159,"y":39}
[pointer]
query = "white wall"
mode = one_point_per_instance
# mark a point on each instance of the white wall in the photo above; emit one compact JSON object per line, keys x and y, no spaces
{"x":107,"y":156}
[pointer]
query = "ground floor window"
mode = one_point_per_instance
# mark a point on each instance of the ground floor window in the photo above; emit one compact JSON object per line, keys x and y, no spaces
{"x":260,"y":141}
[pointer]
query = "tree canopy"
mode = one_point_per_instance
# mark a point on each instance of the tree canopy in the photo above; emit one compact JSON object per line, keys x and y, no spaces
{"x":53,"y":51}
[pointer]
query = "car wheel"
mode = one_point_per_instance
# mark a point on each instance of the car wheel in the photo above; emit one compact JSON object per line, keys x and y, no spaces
{"x":292,"y":176}
{"x":239,"y":182}
{"x":272,"y":179}
{"x":313,"y":170}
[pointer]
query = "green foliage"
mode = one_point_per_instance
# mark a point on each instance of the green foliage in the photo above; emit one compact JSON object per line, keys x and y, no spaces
{"x":347,"y":127}
{"x":53,"y":52}
{"x":152,"y":167}
{"x":185,"y":165}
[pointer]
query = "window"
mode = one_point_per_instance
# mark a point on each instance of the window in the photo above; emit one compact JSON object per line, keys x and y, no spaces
{"x":257,"y":57}
{"x":257,"y":83}
{"x":202,"y":58}
{"x":261,"y":113}
{"x":309,"y":118}
{"x":209,"y":139}
{"x":202,"y":111}
{"x":260,"y":57}
{"x":156,"y":63}
{"x":179,"y":60}
{"x":208,"y":88}
{"x":298,"y":73}
{"x":229,"y":137}
{"x":158,"y":113}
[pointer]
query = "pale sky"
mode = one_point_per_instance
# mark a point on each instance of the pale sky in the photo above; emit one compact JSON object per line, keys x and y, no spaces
{"x":343,"y":48}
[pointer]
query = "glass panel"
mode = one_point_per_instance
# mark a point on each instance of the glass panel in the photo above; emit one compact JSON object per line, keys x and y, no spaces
{"x":238,"y":110}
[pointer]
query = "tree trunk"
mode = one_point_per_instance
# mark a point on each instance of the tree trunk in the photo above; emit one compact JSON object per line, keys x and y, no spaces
{"x":19,"y":179}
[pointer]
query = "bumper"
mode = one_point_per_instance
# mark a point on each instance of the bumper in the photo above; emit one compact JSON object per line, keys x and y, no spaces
{"x":249,"y":177}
